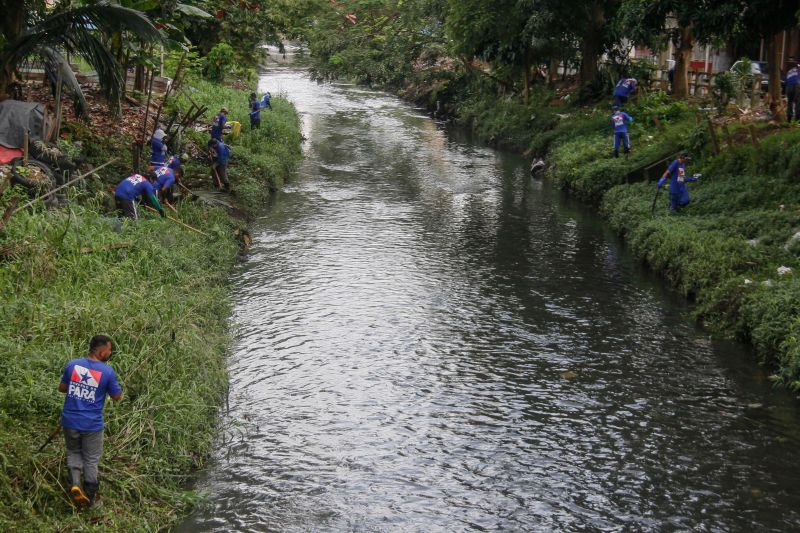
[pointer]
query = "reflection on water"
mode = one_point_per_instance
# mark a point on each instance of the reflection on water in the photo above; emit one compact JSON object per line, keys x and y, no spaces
{"x":429,"y":340}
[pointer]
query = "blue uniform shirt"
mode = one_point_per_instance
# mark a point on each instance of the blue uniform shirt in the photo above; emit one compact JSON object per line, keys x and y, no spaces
{"x":222,"y":152}
{"x":793,"y":77}
{"x":677,"y":174}
{"x":132,"y":187}
{"x":625,"y":87}
{"x":88,"y":382}
{"x":620,"y":121}
{"x":255,"y":110}
{"x":265,"y":99}
{"x":218,"y":125}
{"x":159,"y":150}
{"x":677,"y":181}
{"x":165,"y":178}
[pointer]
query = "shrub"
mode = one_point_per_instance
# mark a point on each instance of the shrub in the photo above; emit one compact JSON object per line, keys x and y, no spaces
{"x":220,"y":61}
{"x":722,"y":91}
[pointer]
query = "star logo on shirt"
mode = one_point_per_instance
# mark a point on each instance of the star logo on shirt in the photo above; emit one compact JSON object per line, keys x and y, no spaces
{"x":86,"y":376}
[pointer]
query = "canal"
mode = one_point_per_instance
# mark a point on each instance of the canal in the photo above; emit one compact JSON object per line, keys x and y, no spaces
{"x":428,"y":339}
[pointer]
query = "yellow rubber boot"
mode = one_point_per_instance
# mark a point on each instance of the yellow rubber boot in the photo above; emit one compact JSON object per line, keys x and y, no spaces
{"x":78,"y":497}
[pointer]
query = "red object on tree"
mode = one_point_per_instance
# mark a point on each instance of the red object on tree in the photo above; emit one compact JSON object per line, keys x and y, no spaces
{"x":220,"y":14}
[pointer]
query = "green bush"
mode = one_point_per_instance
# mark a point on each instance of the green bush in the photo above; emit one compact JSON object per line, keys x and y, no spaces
{"x":219,"y":62}
{"x":724,"y":249}
{"x":160,"y":291}
{"x":723,"y":90}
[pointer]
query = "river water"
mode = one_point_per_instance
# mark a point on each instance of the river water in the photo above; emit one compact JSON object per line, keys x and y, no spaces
{"x":428,"y":339}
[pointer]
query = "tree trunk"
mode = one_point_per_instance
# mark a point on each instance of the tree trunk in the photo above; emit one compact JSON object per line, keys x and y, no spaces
{"x":776,"y":107}
{"x":12,"y":23}
{"x":552,"y":71}
{"x":683,"y":56}
{"x":139,"y":78}
{"x":592,"y":43}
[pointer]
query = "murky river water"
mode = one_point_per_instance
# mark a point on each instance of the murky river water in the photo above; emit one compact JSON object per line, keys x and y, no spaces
{"x":430,"y":340}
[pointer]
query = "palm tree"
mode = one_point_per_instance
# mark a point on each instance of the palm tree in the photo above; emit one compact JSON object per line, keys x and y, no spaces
{"x":77,"y":31}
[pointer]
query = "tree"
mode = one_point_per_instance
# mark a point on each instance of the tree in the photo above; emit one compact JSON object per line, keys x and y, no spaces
{"x":378,"y":42}
{"x":768,"y":19}
{"x":596,"y":14}
{"x":492,"y":31}
{"x":29,"y":31}
{"x":551,"y":32}
{"x":246,"y":25}
{"x":572,"y":27}
{"x":685,"y":22}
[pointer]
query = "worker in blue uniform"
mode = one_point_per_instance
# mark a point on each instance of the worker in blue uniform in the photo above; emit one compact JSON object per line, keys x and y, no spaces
{"x":676,"y":174}
{"x":793,"y":93}
{"x":620,"y":121}
{"x":158,"y":148}
{"x":625,"y":87}
{"x":132,"y":188}
{"x":165,"y":179}
{"x":220,"y":153}
{"x":219,"y":124}
{"x":255,"y":112}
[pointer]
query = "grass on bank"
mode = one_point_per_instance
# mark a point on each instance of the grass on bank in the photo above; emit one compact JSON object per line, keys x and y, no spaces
{"x":160,"y":291}
{"x":724,"y":249}
{"x":162,"y":298}
{"x":262,"y":159}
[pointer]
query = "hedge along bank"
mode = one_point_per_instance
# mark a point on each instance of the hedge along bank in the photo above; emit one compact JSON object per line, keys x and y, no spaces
{"x":730,"y":249}
{"x":160,"y":291}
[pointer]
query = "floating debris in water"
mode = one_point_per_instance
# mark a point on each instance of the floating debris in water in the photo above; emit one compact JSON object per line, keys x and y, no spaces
{"x":569,"y":374}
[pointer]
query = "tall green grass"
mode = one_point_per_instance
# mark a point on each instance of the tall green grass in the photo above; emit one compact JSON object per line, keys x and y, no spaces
{"x":163,"y":300}
{"x":581,"y":159}
{"x":262,"y":159}
{"x":160,"y":291}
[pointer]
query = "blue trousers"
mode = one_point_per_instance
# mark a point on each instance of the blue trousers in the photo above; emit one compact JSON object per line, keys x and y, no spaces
{"x":678,"y":200}
{"x":623,"y":138}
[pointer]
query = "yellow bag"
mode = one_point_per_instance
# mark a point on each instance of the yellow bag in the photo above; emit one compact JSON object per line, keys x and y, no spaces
{"x":236,"y":129}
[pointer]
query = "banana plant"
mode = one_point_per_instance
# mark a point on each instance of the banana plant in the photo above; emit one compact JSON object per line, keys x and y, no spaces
{"x":81,"y":31}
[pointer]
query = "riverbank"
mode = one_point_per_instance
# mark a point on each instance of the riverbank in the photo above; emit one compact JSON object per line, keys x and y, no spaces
{"x":727,"y":252}
{"x":160,"y":291}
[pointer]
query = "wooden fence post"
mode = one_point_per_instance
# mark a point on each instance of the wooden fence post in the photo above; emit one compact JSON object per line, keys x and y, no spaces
{"x":728,"y":136}
{"x":753,"y":136}
{"x":712,"y":132}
